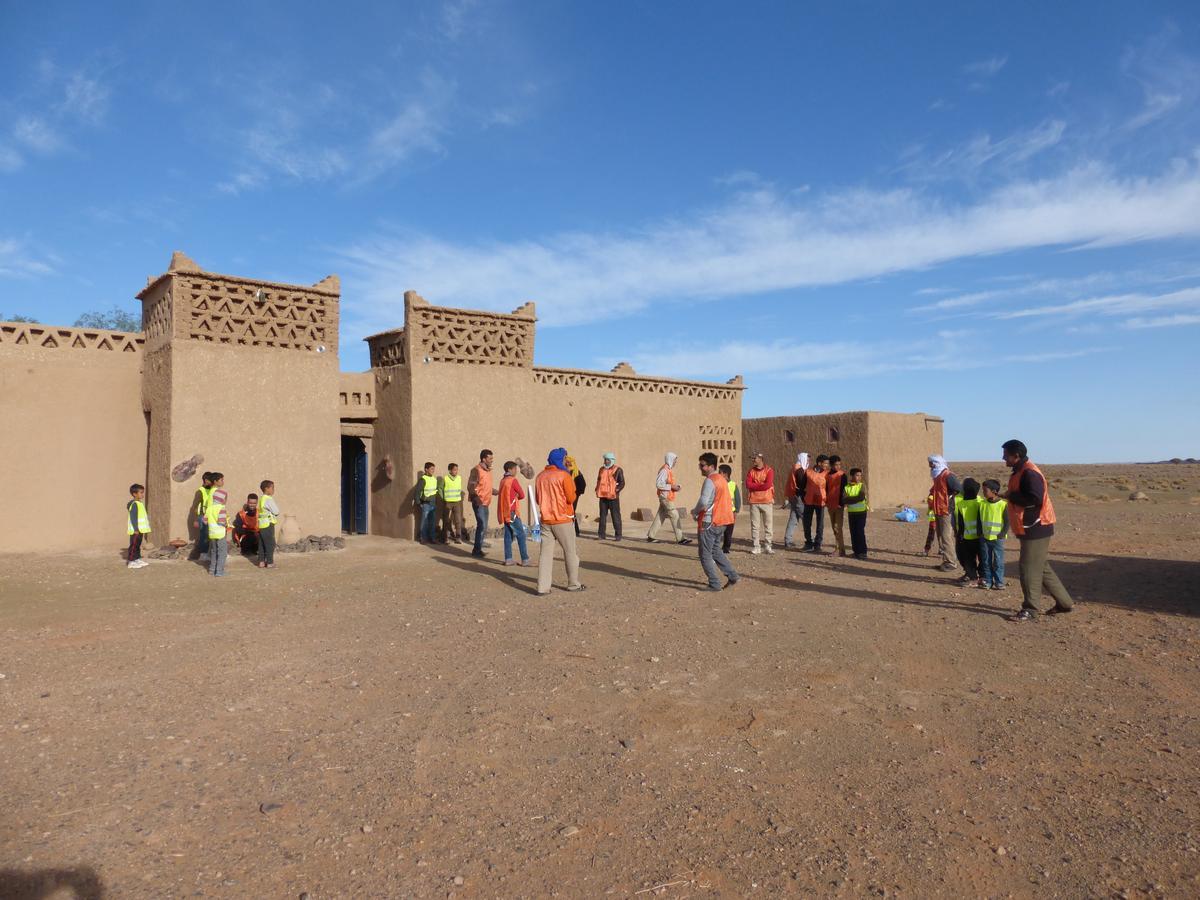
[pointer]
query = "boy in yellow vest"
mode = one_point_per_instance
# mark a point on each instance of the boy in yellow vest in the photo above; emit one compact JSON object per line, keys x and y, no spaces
{"x":268,"y":515}
{"x":218,"y":523}
{"x":137,"y":525}
{"x":966,"y":532}
{"x":450,"y":489}
{"x":993,"y":526}
{"x":854,"y":501}
{"x":203,"y":495}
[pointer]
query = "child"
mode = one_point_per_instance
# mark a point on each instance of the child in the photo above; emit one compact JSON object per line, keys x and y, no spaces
{"x":245,"y":525}
{"x":450,"y":489}
{"x":966,"y":532}
{"x":993,"y":525}
{"x":932,"y":533}
{"x":735,"y":495}
{"x":218,"y":545}
{"x":854,"y":499}
{"x":268,"y":515}
{"x":137,"y":524}
{"x":811,"y":485}
{"x":511,"y":495}
{"x":427,"y":490}
{"x":834,"y":480}
{"x":202,"y":499}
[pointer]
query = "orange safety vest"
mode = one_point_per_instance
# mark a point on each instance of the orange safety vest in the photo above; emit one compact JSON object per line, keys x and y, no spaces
{"x":758,"y":477}
{"x":1016,"y":514}
{"x":833,"y":489}
{"x":555,"y":496}
{"x":814,"y":489}
{"x":508,"y":500}
{"x":722,"y":508}
{"x":483,"y":486}
{"x":606,"y":483}
{"x":670,"y":481}
{"x":941,"y":494}
{"x":789,"y":489}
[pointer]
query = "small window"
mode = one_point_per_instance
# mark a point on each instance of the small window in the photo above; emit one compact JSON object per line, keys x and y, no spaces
{"x":789,"y":437}
{"x":834,"y":434}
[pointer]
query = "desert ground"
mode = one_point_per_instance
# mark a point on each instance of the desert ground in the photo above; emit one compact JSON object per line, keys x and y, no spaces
{"x":392,"y":720}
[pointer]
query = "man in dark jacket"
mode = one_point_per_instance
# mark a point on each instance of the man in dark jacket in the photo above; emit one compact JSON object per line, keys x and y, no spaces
{"x":1031,"y":518}
{"x":610,"y":481}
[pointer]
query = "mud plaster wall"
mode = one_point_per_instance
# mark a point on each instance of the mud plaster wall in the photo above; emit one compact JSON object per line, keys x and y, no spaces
{"x":73,"y":437}
{"x":890,"y":448}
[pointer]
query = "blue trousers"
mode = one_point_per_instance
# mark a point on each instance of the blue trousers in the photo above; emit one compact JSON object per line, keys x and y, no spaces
{"x":712,"y":557}
{"x":481,"y":524}
{"x":991,"y":562}
{"x":218,"y":552}
{"x":515,"y":528}
{"x":428,"y":521}
{"x":201,"y":535}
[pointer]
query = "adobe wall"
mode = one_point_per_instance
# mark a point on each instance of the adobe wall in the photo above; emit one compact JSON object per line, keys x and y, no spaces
{"x":890,"y":448}
{"x":474,"y":385}
{"x":243,"y":373}
{"x":74,"y":434}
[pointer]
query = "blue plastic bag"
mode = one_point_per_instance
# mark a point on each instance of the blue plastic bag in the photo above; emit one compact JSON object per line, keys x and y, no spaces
{"x":907,"y":514}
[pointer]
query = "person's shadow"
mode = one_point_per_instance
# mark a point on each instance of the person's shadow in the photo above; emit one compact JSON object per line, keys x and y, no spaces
{"x":80,"y":883}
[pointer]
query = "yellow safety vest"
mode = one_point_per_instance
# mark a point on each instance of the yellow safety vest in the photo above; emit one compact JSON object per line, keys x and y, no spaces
{"x":858,"y":506}
{"x":451,"y":488}
{"x":265,"y":519}
{"x":932,"y":515}
{"x":215,"y":516}
{"x":428,"y":486}
{"x":143,"y":520}
{"x":205,"y":499}
{"x":970,"y":517}
{"x":991,"y":518}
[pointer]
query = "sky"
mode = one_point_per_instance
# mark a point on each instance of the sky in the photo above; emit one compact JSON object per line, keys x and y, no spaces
{"x":987,"y":212}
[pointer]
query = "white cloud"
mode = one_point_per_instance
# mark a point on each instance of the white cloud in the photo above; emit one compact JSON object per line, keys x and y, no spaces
{"x":35,"y":134}
{"x":967,"y":160}
{"x":1180,"y":319}
{"x":986,"y":68}
{"x":1112,"y":305}
{"x":10,"y":159}
{"x":763,"y":241}
{"x":19,"y":260}
{"x":85,"y":98}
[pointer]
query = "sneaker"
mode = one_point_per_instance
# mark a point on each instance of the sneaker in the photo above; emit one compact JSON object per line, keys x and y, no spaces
{"x":487,"y":545}
{"x":132,"y":565}
{"x":510,"y":562}
{"x":755,"y":551}
{"x":526,"y":563}
{"x":685,"y":540}
{"x":860,"y":556}
{"x":543,"y":593}
{"x":617,"y":538}
{"x":981,"y":585}
{"x":478,"y":553}
{"x":999,"y":587}
{"x":1059,"y":610}
{"x":807,"y":548}
{"x":650,"y":540}
{"x":732,"y":582}
{"x":965,"y":580}
{"x":946,"y":567}
{"x":713,"y":587}
{"x":1025,"y":615}
{"x":769,"y":549}
{"x":577,"y":588}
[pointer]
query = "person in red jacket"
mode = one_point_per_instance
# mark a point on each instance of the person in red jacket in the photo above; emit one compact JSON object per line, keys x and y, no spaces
{"x":834,"y":480}
{"x":1031,"y":518}
{"x":555,"y":490}
{"x":508,"y":505}
{"x":760,"y":492}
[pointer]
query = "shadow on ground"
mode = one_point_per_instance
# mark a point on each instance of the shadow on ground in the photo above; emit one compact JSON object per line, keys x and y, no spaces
{"x":81,"y":883}
{"x":1149,"y":585}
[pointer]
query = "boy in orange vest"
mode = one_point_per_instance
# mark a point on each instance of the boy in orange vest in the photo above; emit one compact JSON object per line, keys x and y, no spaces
{"x":713,"y":513}
{"x":610,"y":481}
{"x":833,"y":501}
{"x":735,"y":494}
{"x":508,"y":504}
{"x":811,"y":485}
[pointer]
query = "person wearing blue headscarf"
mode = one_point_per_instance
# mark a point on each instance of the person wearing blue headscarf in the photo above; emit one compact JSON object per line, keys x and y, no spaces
{"x":554,"y":490}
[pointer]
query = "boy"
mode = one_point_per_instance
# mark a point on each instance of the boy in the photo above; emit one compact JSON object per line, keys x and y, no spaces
{"x":509,"y":507}
{"x":993,"y":527}
{"x":810,"y":483}
{"x":450,"y":489}
{"x":268,"y":515}
{"x":218,"y":545}
{"x":137,"y":525}
{"x":833,"y":501}
{"x":202,"y":499}
{"x":966,"y":532}
{"x":736,"y":496}
{"x":427,"y":489}
{"x":932,"y":533}
{"x":245,"y":526}
{"x":854,"y":499}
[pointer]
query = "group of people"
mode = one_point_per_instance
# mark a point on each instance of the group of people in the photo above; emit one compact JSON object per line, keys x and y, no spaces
{"x":252,"y":527}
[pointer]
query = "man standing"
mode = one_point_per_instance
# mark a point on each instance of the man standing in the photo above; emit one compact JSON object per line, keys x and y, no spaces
{"x":760,"y":492}
{"x":667,"y":489}
{"x":795,"y":501}
{"x":610,"y":481}
{"x":1031,"y":518}
{"x":945,"y":486}
{"x":480,"y":488}
{"x":427,"y":489}
{"x":450,"y":489}
{"x":713,"y":513}
{"x":555,"y":492}
{"x":833,"y":501}
{"x":810,"y":483}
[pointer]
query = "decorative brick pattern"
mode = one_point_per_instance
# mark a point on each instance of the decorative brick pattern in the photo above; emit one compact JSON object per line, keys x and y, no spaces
{"x":634,"y":384}
{"x":156,"y":321}
{"x":257,"y":314}
{"x":50,"y":337}
{"x":387,"y":349}
{"x":719,"y":440}
{"x":446,"y":335}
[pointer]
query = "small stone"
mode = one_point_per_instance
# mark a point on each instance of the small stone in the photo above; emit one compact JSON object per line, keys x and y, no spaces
{"x":569,"y":830}
{"x":367,"y":829}
{"x":269,"y":807}
{"x":459,"y":880}
{"x":1002,"y":851}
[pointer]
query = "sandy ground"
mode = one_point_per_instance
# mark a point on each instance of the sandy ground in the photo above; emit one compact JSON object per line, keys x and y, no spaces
{"x":396,"y":721}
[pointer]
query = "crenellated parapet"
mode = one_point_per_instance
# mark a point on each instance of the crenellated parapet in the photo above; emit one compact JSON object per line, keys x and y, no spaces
{"x":469,"y":337}
{"x":54,"y":337}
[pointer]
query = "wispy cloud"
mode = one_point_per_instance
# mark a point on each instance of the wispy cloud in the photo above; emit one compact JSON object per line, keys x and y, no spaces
{"x":763,"y":241}
{"x":84,"y":98}
{"x":1179,"y":320}
{"x":986,"y":68}
{"x":18,"y":259}
{"x":1110,"y":305}
{"x":61,"y":104}
{"x":1169,"y":79}
{"x":969,"y":159}
{"x":34,"y":134}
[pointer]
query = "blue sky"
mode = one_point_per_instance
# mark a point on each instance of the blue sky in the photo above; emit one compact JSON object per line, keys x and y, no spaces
{"x":989,"y":212}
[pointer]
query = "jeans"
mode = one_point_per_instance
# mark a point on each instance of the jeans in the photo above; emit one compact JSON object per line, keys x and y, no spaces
{"x":562,"y":533}
{"x":266,"y":545}
{"x":481,"y":524}
{"x":713,"y":558}
{"x":810,"y":513}
{"x":428,"y":530}
{"x":218,"y":552}
{"x":858,"y":532}
{"x":991,"y":562}
{"x":515,"y":528}
{"x":795,"y":507}
{"x":610,"y":509}
{"x":1037,"y":576}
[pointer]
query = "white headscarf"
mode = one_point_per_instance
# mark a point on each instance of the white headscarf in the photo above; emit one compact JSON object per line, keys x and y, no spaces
{"x":939,"y":465}
{"x":669,"y":459}
{"x":802,"y":460}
